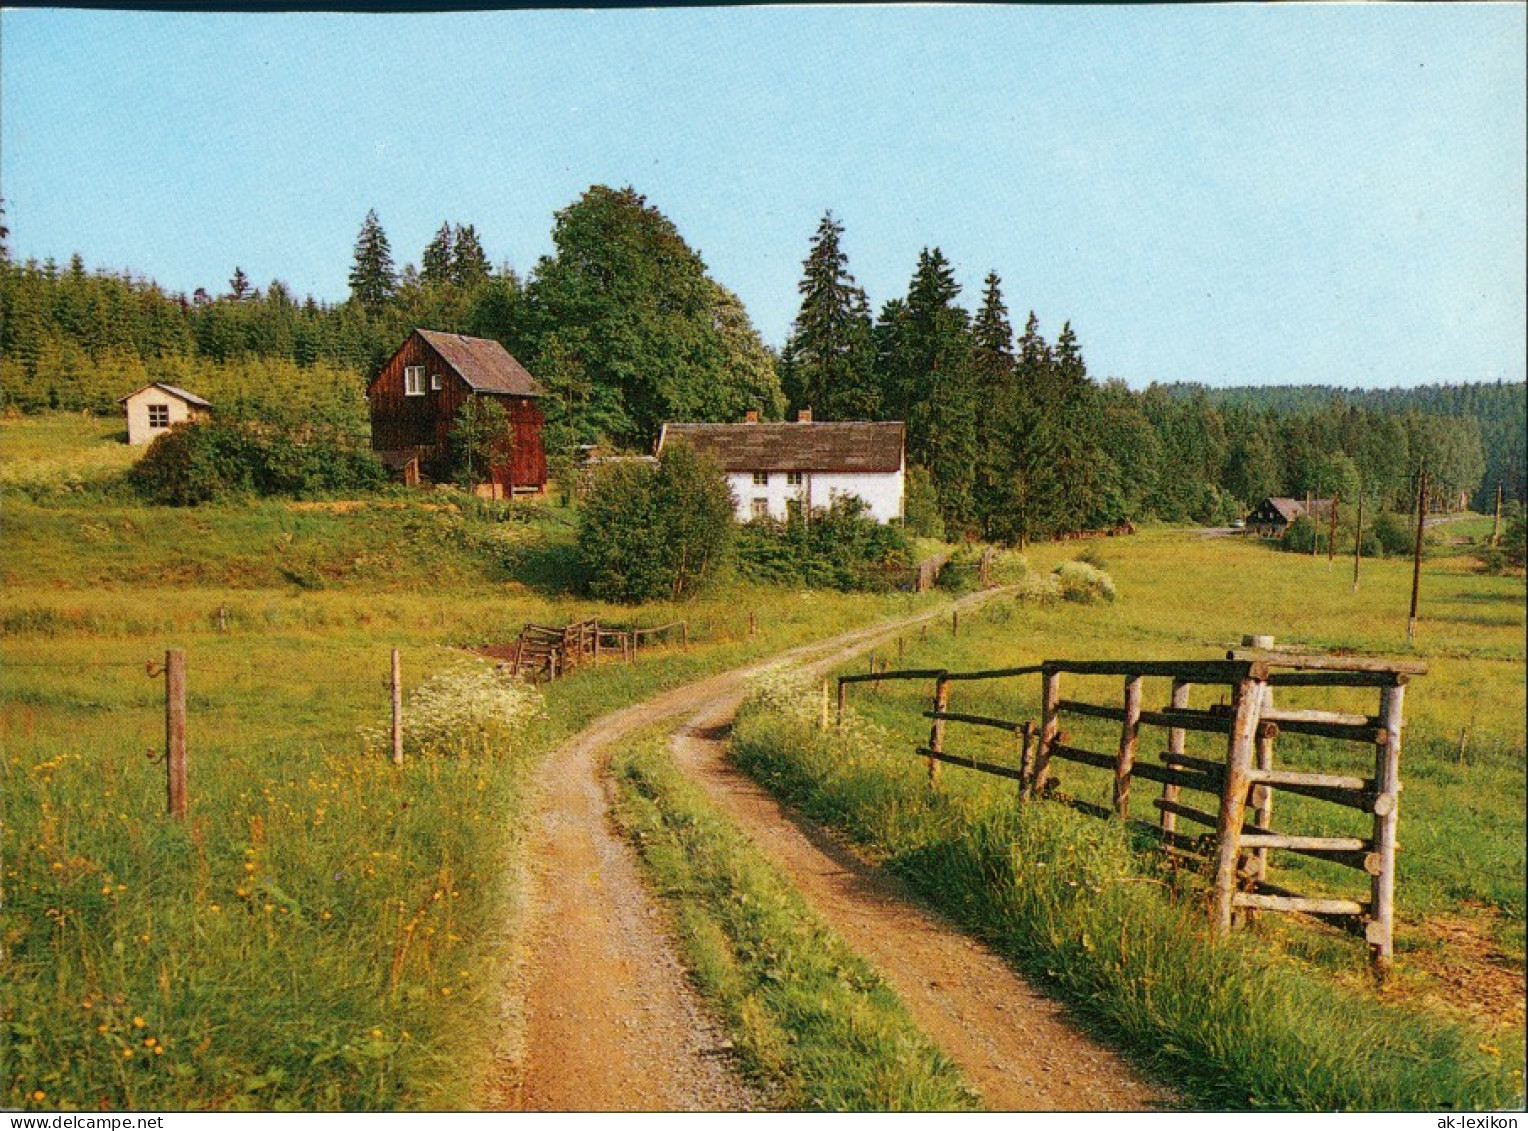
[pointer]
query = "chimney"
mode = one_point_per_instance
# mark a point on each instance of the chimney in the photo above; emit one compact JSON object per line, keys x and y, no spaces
{"x":803,"y":416}
{"x":752,"y":416}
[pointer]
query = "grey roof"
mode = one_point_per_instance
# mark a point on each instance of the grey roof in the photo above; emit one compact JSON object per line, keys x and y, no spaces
{"x":1291,"y":509}
{"x":854,"y":445}
{"x":173,"y":390}
{"x":485,"y":365}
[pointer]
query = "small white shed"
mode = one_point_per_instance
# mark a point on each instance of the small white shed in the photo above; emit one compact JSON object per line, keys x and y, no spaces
{"x":156,"y":408}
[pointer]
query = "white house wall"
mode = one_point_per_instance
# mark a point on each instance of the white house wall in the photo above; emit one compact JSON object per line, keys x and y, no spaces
{"x":881,"y":490}
{"x":138,"y":430}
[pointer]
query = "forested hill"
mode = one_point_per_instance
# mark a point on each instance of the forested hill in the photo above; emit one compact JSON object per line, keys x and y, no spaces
{"x":1008,"y":434}
{"x":1500,"y":408}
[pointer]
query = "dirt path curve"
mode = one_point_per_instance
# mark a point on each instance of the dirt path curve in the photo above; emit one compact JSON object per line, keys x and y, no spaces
{"x":600,"y":1016}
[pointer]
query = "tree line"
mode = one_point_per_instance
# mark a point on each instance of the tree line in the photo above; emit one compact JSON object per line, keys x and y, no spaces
{"x":1010,"y":435}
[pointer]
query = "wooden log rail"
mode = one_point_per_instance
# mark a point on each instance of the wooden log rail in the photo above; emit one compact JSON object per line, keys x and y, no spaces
{"x":1244,"y":782}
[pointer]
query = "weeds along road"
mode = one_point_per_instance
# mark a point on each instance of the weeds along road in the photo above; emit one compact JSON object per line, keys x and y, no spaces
{"x":599,"y":1013}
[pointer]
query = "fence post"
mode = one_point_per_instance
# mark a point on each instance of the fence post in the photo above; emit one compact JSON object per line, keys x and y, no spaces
{"x":397,"y":690}
{"x":596,"y":641}
{"x":753,"y":622}
{"x":954,"y":622}
{"x":175,"y":731}
{"x":1050,"y":723}
{"x":824,"y":722}
{"x":1379,"y":931}
{"x":936,"y":732}
{"x":1026,"y":753}
{"x":1262,"y":795}
{"x":1247,"y":701}
{"x":684,"y":628}
{"x":1176,"y":744}
{"x":1129,"y":736}
{"x":843,"y":696}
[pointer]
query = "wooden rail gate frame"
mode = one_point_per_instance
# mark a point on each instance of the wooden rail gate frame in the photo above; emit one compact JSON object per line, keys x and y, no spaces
{"x":551,"y":650}
{"x":1245,"y":783}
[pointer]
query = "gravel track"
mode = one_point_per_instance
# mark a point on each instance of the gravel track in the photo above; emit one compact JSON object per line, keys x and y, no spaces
{"x":599,"y":1015}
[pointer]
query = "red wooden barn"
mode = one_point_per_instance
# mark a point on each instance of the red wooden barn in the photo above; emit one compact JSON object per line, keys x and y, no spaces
{"x":416,"y":396}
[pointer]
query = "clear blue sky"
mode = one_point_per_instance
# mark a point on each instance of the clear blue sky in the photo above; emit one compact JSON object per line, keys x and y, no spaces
{"x":1239,"y":194}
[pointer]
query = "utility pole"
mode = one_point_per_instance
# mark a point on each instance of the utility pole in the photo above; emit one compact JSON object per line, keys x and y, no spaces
{"x":1416,"y":562}
{"x":1358,"y":540}
{"x":1331,"y":538}
{"x":1496,"y":526}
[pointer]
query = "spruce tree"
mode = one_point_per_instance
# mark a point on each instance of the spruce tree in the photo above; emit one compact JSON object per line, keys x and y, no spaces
{"x":469,"y":263}
{"x":993,"y":370}
{"x":372,"y":279}
{"x":238,"y":285}
{"x":435,"y":264}
{"x":828,"y":356}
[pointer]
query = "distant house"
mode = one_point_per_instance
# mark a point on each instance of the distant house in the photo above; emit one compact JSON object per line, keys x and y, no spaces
{"x":769,"y":465}
{"x":416,"y":396}
{"x":1271,"y":517}
{"x":156,"y":408}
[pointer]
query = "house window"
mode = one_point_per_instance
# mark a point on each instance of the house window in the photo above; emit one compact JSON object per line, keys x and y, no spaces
{"x":413,"y":380}
{"x":793,"y":478}
{"x":435,"y":382}
{"x":760,"y":508}
{"x":761,"y":479}
{"x":159,"y":416}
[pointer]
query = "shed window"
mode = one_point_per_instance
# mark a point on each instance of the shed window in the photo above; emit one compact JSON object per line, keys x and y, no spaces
{"x":159,"y":416}
{"x":793,"y":478}
{"x":760,"y":508}
{"x":761,"y":479}
{"x":413,"y":380}
{"x":435,"y":382}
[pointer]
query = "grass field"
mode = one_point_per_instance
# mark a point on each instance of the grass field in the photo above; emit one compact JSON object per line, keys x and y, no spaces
{"x":1016,"y":873}
{"x":324,"y":931}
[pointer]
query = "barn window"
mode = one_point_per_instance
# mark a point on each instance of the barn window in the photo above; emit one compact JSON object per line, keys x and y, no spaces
{"x":413,"y":380}
{"x":435,"y":382}
{"x":761,"y":479}
{"x":760,"y":508}
{"x":793,"y":478}
{"x":159,"y":416}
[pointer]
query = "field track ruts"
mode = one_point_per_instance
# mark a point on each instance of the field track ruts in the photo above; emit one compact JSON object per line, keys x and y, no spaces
{"x":599,"y":1014}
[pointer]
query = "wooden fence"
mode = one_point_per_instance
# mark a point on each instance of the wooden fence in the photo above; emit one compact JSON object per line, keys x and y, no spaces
{"x":1243,"y":784}
{"x":548,"y":651}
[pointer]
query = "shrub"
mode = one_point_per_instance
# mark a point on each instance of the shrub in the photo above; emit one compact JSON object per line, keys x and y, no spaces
{"x":1395,"y":533}
{"x":656,"y":533}
{"x":921,"y":506}
{"x":465,"y":709}
{"x":838,"y":547}
{"x":1299,"y":536}
{"x":208,"y":461}
{"x":1078,"y":581}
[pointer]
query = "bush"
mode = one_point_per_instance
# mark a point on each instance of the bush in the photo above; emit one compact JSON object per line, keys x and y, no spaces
{"x":1395,"y":533}
{"x":1299,"y":536}
{"x":1078,"y":581}
{"x":656,"y":533}
{"x":921,"y":506}
{"x":209,"y":461}
{"x":466,"y":709}
{"x":838,"y":547}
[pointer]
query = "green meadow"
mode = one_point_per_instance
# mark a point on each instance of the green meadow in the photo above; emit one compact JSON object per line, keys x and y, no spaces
{"x":325,"y":931}
{"x":1286,"y":1015}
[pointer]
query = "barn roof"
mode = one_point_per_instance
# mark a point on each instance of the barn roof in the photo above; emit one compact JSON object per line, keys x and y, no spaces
{"x":173,"y":390}
{"x":815,"y":446}
{"x":1291,"y":509}
{"x":485,"y":365}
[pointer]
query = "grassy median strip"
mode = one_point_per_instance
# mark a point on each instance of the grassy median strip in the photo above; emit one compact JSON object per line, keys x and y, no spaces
{"x":810,"y":1019}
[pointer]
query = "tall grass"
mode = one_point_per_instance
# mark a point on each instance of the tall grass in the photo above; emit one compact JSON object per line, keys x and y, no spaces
{"x":1238,"y":1025}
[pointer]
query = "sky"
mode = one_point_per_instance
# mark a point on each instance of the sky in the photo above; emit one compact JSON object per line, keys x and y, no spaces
{"x":1233,"y":194}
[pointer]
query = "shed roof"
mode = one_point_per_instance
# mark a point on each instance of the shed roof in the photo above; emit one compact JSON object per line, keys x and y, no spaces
{"x":816,"y":446}
{"x":173,"y":390}
{"x":484,"y":364}
{"x":1291,"y":509}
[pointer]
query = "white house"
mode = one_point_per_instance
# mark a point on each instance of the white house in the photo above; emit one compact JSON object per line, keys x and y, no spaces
{"x":156,"y":408}
{"x":768,"y":465}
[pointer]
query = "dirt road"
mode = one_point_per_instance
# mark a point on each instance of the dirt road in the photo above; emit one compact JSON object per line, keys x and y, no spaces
{"x":600,"y":1016}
